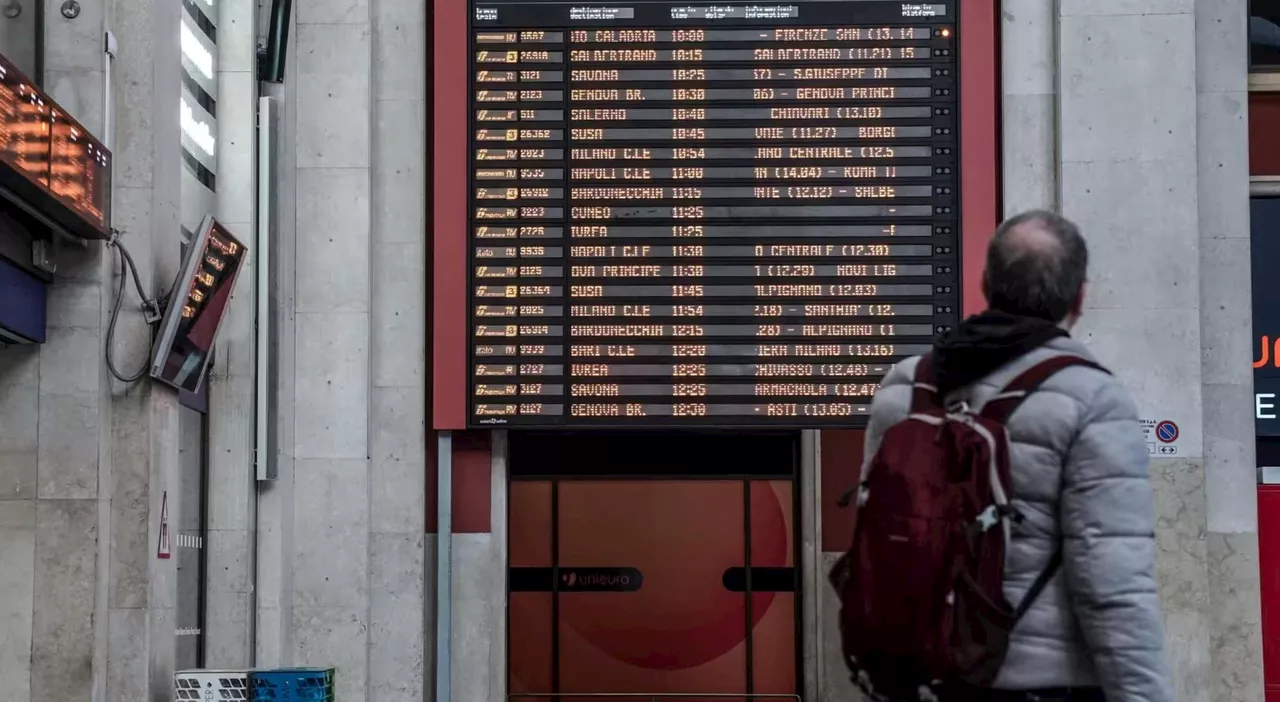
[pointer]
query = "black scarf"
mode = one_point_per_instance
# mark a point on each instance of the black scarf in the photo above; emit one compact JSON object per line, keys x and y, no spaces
{"x":985,"y":342}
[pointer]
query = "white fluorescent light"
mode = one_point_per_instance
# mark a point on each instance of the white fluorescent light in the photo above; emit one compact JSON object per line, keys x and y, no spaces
{"x":196,"y":130}
{"x":195,"y":52}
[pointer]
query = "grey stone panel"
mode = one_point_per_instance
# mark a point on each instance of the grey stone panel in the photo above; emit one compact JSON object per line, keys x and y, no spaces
{"x":397,"y":663}
{"x":399,"y":324}
{"x":19,"y":421}
{"x":334,"y":89}
{"x":399,"y":172}
{"x":333,"y":215}
{"x":62,"y":652}
{"x":1236,"y":620}
{"x":338,"y":637}
{"x":331,"y":538}
{"x":17,"y":580}
{"x":332,"y":377}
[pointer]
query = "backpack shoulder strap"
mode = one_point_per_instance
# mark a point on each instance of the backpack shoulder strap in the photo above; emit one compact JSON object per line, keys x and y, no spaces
{"x":1001,"y":406}
{"x":924,"y":388}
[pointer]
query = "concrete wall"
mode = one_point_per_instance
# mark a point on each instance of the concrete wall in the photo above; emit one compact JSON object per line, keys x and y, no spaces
{"x":230,"y":502}
{"x":1151,"y":178}
{"x":1130,"y":117}
{"x":331,"y":564}
{"x":19,"y":36}
{"x":85,"y":461}
{"x":1155,"y":172}
{"x":343,"y":557}
{"x":1231,"y":515}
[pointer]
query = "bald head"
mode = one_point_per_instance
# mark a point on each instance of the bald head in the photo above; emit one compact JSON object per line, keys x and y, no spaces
{"x":1036,"y":266}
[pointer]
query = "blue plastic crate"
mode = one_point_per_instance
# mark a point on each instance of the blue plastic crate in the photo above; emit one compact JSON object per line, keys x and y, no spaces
{"x":291,"y":685}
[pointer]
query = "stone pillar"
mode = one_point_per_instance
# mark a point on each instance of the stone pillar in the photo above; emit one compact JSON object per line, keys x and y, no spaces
{"x":343,"y":576}
{"x":274,"y":509}
{"x":329,"y":619}
{"x":402,"y":562}
{"x":478,"y":640}
{"x":1154,"y":171}
{"x":232,"y":487}
{"x":273,"y":585}
{"x":1029,"y":77}
{"x":63,"y":440}
{"x":1231,"y":511}
{"x":86,"y":461}
{"x":144,"y":433}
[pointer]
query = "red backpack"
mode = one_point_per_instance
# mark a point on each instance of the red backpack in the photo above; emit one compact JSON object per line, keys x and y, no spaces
{"x":921,"y":588}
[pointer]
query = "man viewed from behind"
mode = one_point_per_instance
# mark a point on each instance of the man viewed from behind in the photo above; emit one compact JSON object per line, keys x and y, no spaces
{"x":1067,"y":518}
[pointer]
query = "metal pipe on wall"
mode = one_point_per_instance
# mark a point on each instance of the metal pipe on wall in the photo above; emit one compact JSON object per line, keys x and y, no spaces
{"x":444,"y":565}
{"x":263,"y":447}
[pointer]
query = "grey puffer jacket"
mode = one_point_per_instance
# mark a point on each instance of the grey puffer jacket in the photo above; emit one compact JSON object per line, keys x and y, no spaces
{"x":1080,"y":477}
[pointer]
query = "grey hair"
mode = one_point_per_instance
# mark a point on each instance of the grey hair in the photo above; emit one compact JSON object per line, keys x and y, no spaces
{"x":1031,"y":279}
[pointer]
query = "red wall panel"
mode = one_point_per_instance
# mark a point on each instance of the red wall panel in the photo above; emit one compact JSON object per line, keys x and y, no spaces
{"x":1264,"y":134}
{"x":979,"y":143}
{"x":841,"y":470}
{"x":449,"y":215}
{"x":1269,"y":568}
{"x":472,"y":483}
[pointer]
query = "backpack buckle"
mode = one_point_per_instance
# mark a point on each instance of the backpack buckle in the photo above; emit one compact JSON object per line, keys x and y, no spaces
{"x":989,"y":518}
{"x":994,"y":514}
{"x":959,"y":407}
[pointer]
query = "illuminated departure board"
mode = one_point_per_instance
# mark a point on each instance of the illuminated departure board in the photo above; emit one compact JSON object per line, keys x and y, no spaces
{"x":707,"y":215}
{"x":49,"y":160}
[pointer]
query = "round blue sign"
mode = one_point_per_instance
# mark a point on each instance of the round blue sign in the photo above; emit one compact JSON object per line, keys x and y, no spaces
{"x":1167,"y":432}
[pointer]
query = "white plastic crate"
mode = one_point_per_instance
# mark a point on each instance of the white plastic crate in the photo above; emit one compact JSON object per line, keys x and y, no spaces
{"x":211,"y":685}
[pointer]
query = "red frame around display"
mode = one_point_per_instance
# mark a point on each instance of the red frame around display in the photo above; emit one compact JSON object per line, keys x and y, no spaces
{"x":449,"y":215}
{"x":979,"y":195}
{"x":979,"y":142}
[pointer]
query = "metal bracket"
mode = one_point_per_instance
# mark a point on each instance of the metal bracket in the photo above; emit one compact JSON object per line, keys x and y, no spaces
{"x":42,"y":256}
{"x":45,"y":243}
{"x":109,"y":44}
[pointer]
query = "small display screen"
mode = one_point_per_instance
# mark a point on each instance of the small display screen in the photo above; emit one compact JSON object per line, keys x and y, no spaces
{"x":197,"y":309}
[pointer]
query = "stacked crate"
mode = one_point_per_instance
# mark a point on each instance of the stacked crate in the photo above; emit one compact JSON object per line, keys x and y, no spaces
{"x":211,"y":685}
{"x":291,"y":685}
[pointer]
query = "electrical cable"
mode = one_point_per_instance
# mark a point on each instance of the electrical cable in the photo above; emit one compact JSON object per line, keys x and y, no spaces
{"x":150,"y":307}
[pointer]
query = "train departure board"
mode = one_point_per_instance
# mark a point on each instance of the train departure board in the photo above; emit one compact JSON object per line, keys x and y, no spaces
{"x":51,"y":161}
{"x":695,"y":215}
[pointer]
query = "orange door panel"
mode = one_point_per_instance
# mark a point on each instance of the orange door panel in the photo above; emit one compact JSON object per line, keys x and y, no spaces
{"x":650,"y":587}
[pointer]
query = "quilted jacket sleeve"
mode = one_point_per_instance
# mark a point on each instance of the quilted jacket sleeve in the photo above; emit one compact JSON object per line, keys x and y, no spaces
{"x":1109,"y":551}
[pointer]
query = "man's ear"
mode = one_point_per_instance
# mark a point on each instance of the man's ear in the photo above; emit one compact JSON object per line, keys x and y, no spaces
{"x":1077,"y":305}
{"x":986,"y":289}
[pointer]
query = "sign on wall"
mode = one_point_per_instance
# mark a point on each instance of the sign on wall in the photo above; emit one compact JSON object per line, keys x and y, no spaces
{"x":1265,"y":242}
{"x":49,"y":161}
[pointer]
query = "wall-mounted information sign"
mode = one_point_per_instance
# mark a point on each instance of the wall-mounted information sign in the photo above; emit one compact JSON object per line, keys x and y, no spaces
{"x":51,"y":162}
{"x":200,"y":298}
{"x":693,"y":215}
